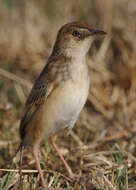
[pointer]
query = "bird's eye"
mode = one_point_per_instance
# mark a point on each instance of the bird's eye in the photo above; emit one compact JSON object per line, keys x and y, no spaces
{"x":75,"y":33}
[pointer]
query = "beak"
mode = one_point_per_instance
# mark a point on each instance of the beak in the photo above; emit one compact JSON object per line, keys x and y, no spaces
{"x":95,"y":32}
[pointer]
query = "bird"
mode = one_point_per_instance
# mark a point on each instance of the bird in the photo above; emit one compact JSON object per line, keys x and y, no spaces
{"x":60,"y":91}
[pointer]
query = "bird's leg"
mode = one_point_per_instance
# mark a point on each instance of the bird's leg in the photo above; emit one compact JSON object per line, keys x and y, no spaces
{"x":36,"y":157}
{"x":71,"y":174}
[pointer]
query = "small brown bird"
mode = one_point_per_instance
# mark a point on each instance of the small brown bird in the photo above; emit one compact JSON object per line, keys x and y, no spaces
{"x":60,"y":91}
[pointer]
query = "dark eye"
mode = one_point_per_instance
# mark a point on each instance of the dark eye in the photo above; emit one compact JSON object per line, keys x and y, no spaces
{"x":75,"y":33}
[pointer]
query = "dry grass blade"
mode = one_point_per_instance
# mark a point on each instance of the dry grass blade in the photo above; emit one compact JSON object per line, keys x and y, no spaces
{"x":20,"y":93}
{"x":34,"y":171}
{"x":103,"y":50}
{"x":15,"y":78}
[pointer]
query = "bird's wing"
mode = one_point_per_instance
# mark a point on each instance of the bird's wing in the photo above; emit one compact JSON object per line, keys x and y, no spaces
{"x":39,"y":93}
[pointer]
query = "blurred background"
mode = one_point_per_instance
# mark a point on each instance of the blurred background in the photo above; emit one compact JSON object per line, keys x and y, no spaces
{"x":102,"y":145}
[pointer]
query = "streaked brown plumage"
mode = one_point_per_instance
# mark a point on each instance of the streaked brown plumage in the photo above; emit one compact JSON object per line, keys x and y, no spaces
{"x":60,"y":91}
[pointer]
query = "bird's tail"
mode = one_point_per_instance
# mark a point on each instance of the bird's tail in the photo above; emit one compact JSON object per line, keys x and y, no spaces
{"x":19,"y":150}
{"x":18,"y":158}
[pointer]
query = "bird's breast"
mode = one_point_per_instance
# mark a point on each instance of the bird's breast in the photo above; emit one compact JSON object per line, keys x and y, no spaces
{"x":66,"y":102}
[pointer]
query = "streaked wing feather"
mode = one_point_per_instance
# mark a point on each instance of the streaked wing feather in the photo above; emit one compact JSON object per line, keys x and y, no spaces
{"x":37,"y":96}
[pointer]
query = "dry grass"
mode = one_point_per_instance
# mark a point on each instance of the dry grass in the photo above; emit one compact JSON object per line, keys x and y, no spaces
{"x":102,"y":146}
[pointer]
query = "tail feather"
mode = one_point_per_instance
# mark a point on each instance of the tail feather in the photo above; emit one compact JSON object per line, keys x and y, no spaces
{"x":17,"y":158}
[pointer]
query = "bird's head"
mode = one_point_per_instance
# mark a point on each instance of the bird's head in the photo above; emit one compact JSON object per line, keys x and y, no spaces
{"x":75,"y":38}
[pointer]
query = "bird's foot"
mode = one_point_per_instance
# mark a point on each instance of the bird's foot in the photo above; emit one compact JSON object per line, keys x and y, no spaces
{"x":80,"y":179}
{"x":76,"y":177}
